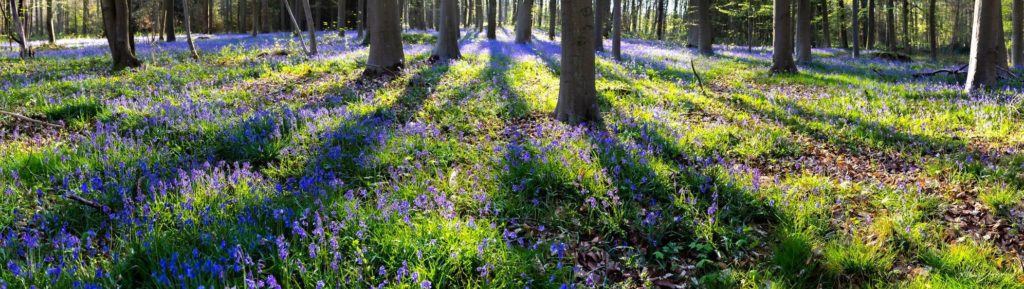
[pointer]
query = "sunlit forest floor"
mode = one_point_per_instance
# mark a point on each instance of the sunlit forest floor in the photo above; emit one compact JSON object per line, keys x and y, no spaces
{"x":256,"y":167}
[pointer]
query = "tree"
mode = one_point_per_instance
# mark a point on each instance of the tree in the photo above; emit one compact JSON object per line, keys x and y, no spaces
{"x":803,"y":30}
{"x":310,"y":26}
{"x":447,"y":47}
{"x":492,"y":21}
{"x":692,"y":31}
{"x":577,"y":95}
{"x":188,"y":29}
{"x":1017,"y":50}
{"x":20,"y":30}
{"x":169,"y":20}
{"x":386,"y":55}
{"x":617,"y":29}
{"x":361,"y":17}
{"x":342,"y":10}
{"x":553,"y":11}
{"x":659,"y":19}
{"x":782,"y":44}
{"x":983,"y":69}
{"x":856,"y":28}
{"x":524,"y":22}
{"x":50,"y":32}
{"x":933,"y":38}
{"x":115,"y":26}
{"x":704,"y":15}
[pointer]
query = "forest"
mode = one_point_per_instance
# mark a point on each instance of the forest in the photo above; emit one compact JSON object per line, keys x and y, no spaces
{"x":511,"y":144}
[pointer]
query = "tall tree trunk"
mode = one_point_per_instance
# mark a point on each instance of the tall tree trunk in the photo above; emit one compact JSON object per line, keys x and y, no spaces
{"x":447,"y":47}
{"x":659,"y":22}
{"x":85,"y":17}
{"x":255,"y":18}
{"x":856,"y":27}
{"x":577,"y":96}
{"x":115,"y":26}
{"x":706,"y":29}
{"x":342,"y":11}
{"x":890,"y":26}
{"x":386,"y":55}
{"x":692,"y":30}
{"x":782,"y":43}
{"x":872,"y":28}
{"x":803,"y":31}
{"x":524,"y":22}
{"x":906,"y":26}
{"x":52,"y":35}
{"x":361,"y":17}
{"x":983,"y":70}
{"x":296,"y":29}
{"x":598,"y":23}
{"x":1017,"y":50}
{"x":492,"y":21}
{"x":617,"y":29}
{"x":310,"y":27}
{"x":826,"y":36}
{"x":188,"y":29}
{"x":844,"y":38}
{"x":169,"y":20}
{"x":553,"y":10}
{"x":933,"y":34}
{"x":25,"y":51}
{"x":479,"y":15}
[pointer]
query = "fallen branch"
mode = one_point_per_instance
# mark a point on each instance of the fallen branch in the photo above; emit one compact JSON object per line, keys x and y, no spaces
{"x":696,"y":75}
{"x":1009,"y":74}
{"x":29,"y":119}
{"x":957,"y":71}
{"x":86,"y":202}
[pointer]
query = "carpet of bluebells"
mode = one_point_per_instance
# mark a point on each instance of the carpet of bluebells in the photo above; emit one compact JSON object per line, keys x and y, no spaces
{"x":256,"y":167}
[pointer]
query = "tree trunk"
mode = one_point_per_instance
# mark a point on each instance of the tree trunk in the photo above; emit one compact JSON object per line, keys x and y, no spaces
{"x":524,"y":22}
{"x":342,"y":10}
{"x":479,"y":15}
{"x":856,"y":27}
{"x":310,"y":27}
{"x":169,"y":21}
{"x":844,"y":38}
{"x":906,"y":26}
{"x":188,"y":29}
{"x":492,"y":21}
{"x":1017,"y":50}
{"x":983,"y":70}
{"x":296,"y":29}
{"x":115,"y":26}
{"x":872,"y":28}
{"x":553,"y":10}
{"x":386,"y":55}
{"x":617,"y":29}
{"x":447,"y":47}
{"x":692,"y":31}
{"x":361,"y":17}
{"x":50,"y":32}
{"x":659,"y":21}
{"x":933,"y":35}
{"x":598,"y":23}
{"x":803,"y":31}
{"x":25,"y":51}
{"x":890,"y":26}
{"x":706,"y":29}
{"x":782,"y":43}
{"x":826,"y":36}
{"x":85,"y":17}
{"x":577,"y":96}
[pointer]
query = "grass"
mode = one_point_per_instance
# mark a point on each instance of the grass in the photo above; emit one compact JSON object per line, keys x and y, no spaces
{"x":259,"y":166}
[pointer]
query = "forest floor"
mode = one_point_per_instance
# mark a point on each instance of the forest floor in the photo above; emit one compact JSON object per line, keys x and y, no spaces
{"x":257,"y":167}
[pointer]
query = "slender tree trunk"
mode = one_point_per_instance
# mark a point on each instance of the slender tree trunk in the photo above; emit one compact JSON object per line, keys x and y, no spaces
{"x":906,"y":26}
{"x":890,"y":24}
{"x":296,"y":29}
{"x":1017,"y":50}
{"x":50,"y":32}
{"x":342,"y":11}
{"x":856,"y":28}
{"x":692,"y":30}
{"x":782,"y":43}
{"x":803,"y":31}
{"x":25,"y":51}
{"x":933,"y":35}
{"x":553,"y":10}
{"x":844,"y":38}
{"x":85,"y":17}
{"x":659,"y":22}
{"x":169,"y":21}
{"x":188,"y":29}
{"x":577,"y":96}
{"x":706,"y":29}
{"x":826,"y":36}
{"x":479,"y":15}
{"x":598,"y":23}
{"x":115,"y":25}
{"x":386,"y":55}
{"x":524,"y":22}
{"x":983,"y":70}
{"x":492,"y":21}
{"x":447,"y":47}
{"x":617,"y":29}
{"x":310,"y":27}
{"x":872,"y":28}
{"x":255,"y":18}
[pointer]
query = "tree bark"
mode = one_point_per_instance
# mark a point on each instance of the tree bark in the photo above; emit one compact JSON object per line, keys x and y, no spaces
{"x":782,"y":43}
{"x":361,"y":17}
{"x":856,"y":27}
{"x":706,"y":29}
{"x":115,"y":26}
{"x":342,"y":11}
{"x":1017,"y":50}
{"x":692,"y":30}
{"x":19,"y":27}
{"x":577,"y":96}
{"x":169,"y":21}
{"x":803,"y":31}
{"x":447,"y":47}
{"x":310,"y":27}
{"x":492,"y":21}
{"x":826,"y":36}
{"x":933,"y":35}
{"x":479,"y":15}
{"x":553,"y":10}
{"x":617,"y":29}
{"x":188,"y":29}
{"x":983,"y":70}
{"x":386,"y":55}
{"x":659,"y":21}
{"x":50,"y":32}
{"x":906,"y":26}
{"x":890,"y":26}
{"x":871,"y":31}
{"x":524,"y":22}
{"x":844,"y":37}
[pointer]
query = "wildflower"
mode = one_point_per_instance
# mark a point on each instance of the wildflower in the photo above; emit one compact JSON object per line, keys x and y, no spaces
{"x":14,"y":268}
{"x":425,"y":284}
{"x":282,"y":248}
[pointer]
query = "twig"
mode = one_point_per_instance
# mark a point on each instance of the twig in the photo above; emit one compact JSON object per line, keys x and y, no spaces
{"x":29,"y":119}
{"x":700,"y":82}
{"x":86,"y":202}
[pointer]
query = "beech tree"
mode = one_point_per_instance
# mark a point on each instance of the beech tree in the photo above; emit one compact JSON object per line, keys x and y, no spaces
{"x":169,"y":20}
{"x":617,"y":29}
{"x":1017,"y":50}
{"x":188,"y":29}
{"x":386,"y":55}
{"x":577,"y":95}
{"x":524,"y":21}
{"x":986,"y":42}
{"x":492,"y":21}
{"x":598,"y":24}
{"x":115,"y":26}
{"x":310,"y":27}
{"x":782,"y":45}
{"x":447,"y":47}
{"x":803,"y":30}
{"x":706,"y":29}
{"x":856,"y":27}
